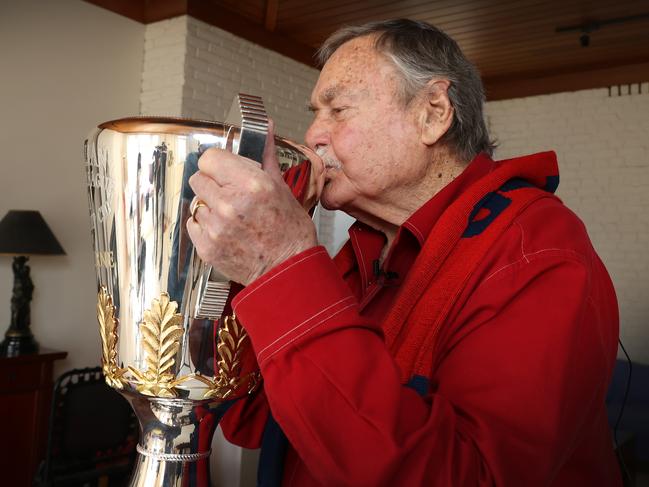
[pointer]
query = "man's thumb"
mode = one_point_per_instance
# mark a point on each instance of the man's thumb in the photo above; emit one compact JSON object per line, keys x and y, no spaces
{"x":270,"y":164}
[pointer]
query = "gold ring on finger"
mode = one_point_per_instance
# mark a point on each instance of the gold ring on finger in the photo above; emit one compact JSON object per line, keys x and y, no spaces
{"x":195,"y":206}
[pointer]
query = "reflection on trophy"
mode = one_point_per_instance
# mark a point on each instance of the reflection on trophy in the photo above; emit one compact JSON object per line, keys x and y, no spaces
{"x":170,"y":343}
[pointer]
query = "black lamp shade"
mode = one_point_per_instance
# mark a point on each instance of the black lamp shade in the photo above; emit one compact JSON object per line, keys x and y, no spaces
{"x":26,"y":233}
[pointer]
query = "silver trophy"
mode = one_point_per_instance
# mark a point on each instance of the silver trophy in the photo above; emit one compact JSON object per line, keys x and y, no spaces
{"x":170,"y":343}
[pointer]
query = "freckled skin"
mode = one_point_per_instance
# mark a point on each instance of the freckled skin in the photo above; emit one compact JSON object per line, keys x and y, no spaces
{"x":237,"y":232}
{"x":385,"y":166}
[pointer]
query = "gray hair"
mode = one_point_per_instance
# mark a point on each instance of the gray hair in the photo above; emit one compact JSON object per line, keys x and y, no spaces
{"x":422,"y":52}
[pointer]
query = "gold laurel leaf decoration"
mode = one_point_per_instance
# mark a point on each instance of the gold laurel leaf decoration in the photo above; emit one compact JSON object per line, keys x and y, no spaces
{"x":108,"y":332}
{"x":225,"y":352}
{"x":162,"y":331}
{"x":230,"y":345}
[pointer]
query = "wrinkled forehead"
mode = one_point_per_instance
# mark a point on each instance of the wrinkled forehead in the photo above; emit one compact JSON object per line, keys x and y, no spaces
{"x":354,"y":64}
{"x":347,"y":66}
{"x":354,"y":50}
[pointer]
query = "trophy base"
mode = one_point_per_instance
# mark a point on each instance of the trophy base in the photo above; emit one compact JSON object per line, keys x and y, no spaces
{"x":175,"y":440}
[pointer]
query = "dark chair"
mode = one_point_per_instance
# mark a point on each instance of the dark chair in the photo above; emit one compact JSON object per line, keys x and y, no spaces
{"x":632,"y":433}
{"x":93,"y":434}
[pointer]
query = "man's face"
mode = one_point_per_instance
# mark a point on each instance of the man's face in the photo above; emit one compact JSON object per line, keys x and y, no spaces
{"x":367,"y":137}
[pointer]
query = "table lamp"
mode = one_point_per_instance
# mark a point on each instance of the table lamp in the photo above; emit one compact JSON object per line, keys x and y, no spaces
{"x":23,"y":233}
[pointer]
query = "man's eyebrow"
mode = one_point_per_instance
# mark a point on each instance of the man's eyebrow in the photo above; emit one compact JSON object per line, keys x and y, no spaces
{"x":330,"y":93}
{"x":326,"y":97}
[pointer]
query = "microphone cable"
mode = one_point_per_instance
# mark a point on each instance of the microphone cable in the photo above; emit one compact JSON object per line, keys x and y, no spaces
{"x":625,"y":470}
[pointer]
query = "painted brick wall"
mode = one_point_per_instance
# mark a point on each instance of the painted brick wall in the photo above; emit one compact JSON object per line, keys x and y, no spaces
{"x":219,"y":65}
{"x":602,"y":142}
{"x":163,"y":70}
{"x":195,"y":70}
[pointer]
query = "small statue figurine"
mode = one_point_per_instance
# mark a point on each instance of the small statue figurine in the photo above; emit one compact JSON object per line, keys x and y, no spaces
{"x":22,"y":295}
{"x":19,"y":339}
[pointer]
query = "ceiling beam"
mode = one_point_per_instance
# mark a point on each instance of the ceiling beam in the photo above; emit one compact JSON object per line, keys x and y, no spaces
{"x":249,"y":30}
{"x":147,"y":11}
{"x":497,"y":87}
{"x":133,"y":9}
{"x":156,"y":10}
{"x":270,"y":22}
{"x":501,"y":88}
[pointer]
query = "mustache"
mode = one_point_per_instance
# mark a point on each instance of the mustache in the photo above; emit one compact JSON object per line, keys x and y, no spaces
{"x":329,"y":161}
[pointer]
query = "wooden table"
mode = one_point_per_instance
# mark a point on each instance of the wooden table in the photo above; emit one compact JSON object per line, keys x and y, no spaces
{"x":25,"y":397}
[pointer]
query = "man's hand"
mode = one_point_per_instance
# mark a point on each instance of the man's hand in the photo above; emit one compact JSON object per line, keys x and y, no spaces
{"x":251,"y":221}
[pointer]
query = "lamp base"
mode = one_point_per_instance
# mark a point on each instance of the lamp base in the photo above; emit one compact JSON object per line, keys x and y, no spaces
{"x":14,"y":345}
{"x":19,"y":339}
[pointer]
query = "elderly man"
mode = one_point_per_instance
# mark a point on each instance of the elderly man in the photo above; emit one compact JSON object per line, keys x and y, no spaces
{"x":464,"y":335}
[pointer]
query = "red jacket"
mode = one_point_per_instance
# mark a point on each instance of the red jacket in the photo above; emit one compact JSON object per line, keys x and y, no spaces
{"x":519,"y":368}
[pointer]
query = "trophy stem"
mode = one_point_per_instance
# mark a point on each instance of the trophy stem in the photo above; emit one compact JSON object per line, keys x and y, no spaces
{"x":179,"y":471}
{"x":175,"y":440}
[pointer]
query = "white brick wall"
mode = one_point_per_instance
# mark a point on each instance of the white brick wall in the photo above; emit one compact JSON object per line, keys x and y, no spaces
{"x":163,"y":71}
{"x":192,"y":69}
{"x":602,"y":143}
{"x":219,"y":65}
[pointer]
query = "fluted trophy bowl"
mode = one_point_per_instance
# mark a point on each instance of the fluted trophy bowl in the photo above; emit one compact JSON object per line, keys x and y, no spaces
{"x":170,"y":343}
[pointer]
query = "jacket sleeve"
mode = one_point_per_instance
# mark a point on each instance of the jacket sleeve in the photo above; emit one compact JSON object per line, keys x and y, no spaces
{"x":507,"y":400}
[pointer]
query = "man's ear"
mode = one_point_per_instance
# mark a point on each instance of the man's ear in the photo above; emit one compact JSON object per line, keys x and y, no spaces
{"x":437,"y":111}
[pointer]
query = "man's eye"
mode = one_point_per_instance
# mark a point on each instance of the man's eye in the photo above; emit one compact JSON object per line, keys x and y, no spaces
{"x":338,"y":110}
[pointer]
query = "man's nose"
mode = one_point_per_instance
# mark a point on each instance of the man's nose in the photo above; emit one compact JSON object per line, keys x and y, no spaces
{"x":316,"y":135}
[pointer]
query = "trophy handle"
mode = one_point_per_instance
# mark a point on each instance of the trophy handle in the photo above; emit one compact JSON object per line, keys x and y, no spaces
{"x":211,"y":289}
{"x":248,"y":112}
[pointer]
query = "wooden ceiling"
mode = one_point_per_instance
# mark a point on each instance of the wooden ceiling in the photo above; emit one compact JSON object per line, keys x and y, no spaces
{"x":522,"y":47}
